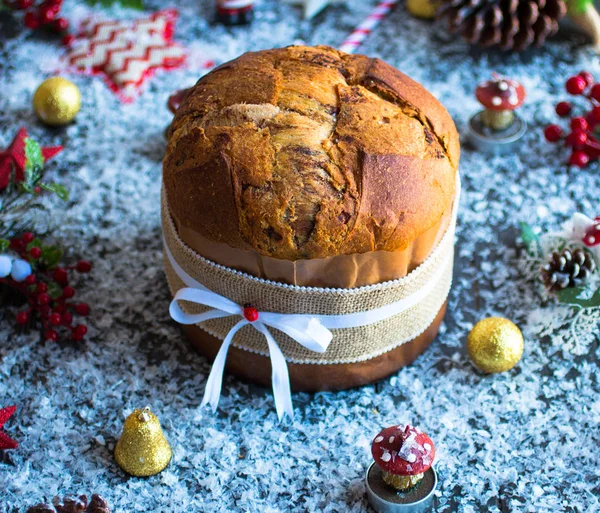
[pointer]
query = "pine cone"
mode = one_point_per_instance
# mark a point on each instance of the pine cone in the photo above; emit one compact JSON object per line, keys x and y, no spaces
{"x":71,"y":504}
{"x":568,"y":269}
{"x":508,"y":24}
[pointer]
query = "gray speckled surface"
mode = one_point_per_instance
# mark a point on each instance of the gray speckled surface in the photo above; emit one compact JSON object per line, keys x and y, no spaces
{"x":525,"y":440}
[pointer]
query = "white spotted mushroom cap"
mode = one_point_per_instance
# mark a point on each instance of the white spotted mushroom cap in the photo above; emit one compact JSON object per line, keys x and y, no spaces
{"x":403,"y":450}
{"x":500,"y":93}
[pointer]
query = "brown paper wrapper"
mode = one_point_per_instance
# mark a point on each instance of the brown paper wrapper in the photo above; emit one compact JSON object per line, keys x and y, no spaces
{"x":343,"y":271}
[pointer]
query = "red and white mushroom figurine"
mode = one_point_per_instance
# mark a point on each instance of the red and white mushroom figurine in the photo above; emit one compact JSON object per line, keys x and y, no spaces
{"x":404,"y":454}
{"x":500,"y":97}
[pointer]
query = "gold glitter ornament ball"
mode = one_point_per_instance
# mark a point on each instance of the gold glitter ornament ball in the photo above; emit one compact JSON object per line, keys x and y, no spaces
{"x":142,"y":449}
{"x":495,"y":344}
{"x":56,"y":101}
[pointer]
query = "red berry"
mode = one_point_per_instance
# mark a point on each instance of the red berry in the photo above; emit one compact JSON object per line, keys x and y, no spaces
{"x":588,"y":77}
{"x":31,"y":21}
{"x":83,"y":266}
{"x":80,"y":331}
{"x":67,"y":318}
{"x":28,"y":237}
{"x":38,"y":189}
{"x":24,"y":4}
{"x":17,"y":244}
{"x":61,"y":24}
{"x":68,"y":292}
{"x":22,"y":318}
{"x":82,"y":309}
{"x":563,"y":109}
{"x":48,"y":13}
{"x":41,"y":287}
{"x":51,"y":335}
{"x":35,"y":253}
{"x":595,"y":92}
{"x":43,"y":299}
{"x":595,"y":114}
{"x":579,"y":159}
{"x":579,"y":123}
{"x":55,"y":319}
{"x":31,"y":279}
{"x":250,"y":313}
{"x":61,"y":276}
{"x":68,"y":40}
{"x":553,"y":133}
{"x":576,"y":139}
{"x":576,"y":85}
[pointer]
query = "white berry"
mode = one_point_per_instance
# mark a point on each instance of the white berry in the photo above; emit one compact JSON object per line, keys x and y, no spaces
{"x":20,"y":270}
{"x":5,"y":265}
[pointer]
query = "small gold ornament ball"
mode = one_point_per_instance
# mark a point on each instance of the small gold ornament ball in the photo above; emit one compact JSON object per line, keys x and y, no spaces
{"x":142,"y":449}
{"x":495,"y":344}
{"x":56,"y":101}
{"x":424,"y":9}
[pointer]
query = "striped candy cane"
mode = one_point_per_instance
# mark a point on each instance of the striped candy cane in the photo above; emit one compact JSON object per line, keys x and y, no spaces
{"x":358,"y":35}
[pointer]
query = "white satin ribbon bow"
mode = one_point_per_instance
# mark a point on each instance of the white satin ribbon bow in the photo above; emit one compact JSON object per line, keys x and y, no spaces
{"x":304,"y":329}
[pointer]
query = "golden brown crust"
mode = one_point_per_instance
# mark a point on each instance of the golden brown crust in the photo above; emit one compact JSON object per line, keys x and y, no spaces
{"x":306,"y":152}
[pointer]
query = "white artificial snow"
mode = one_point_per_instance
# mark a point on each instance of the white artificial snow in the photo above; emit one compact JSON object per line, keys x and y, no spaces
{"x":499,"y":439}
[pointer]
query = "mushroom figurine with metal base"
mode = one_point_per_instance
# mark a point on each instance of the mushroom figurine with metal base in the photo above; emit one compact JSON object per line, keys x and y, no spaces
{"x":401,"y":479}
{"x":497,"y":129}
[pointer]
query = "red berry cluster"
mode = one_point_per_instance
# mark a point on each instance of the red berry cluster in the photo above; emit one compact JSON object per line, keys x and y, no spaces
{"x":45,"y":13}
{"x":48,"y":292}
{"x":583,"y":137}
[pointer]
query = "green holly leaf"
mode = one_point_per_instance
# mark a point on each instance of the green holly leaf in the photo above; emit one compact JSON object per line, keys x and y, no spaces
{"x":51,"y":256}
{"x":33,"y":154}
{"x":54,"y":290}
{"x":35,"y":243}
{"x":4,"y":245}
{"x":529,"y":238}
{"x":57,"y":189}
{"x":132,"y":4}
{"x":581,"y":297}
{"x":34,"y":164}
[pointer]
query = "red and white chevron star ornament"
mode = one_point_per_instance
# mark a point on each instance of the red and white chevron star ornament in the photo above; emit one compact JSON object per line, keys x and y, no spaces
{"x":127,"y":53}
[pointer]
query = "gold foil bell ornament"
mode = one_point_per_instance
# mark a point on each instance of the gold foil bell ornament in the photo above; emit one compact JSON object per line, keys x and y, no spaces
{"x":495,"y":344}
{"x":142,"y":449}
{"x":56,"y":101}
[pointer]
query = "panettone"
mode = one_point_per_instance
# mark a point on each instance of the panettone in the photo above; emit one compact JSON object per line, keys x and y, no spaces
{"x":312,"y":167}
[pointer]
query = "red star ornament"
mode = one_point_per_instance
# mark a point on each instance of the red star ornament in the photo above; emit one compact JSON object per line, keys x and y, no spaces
{"x":6,"y":442}
{"x":13,"y":158}
{"x":126,"y":53}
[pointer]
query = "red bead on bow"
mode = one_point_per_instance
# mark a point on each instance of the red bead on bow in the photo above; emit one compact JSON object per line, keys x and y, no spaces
{"x":250,"y":313}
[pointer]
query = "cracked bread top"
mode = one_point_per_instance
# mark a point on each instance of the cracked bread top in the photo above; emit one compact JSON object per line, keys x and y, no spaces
{"x":307,"y":152}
